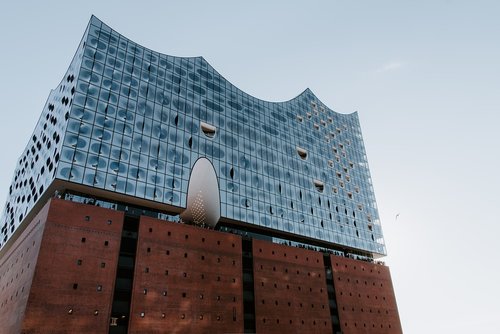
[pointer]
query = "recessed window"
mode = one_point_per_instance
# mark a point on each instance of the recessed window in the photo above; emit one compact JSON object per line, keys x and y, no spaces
{"x":302,"y":153}
{"x":208,"y":129}
{"x":330,"y":163}
{"x":103,"y":264}
{"x":300,"y":119}
{"x":87,"y":218}
{"x":84,"y":239}
{"x":75,"y":286}
{"x":99,"y":287}
{"x":320,"y":186}
{"x":316,"y":126}
{"x":79,"y":262}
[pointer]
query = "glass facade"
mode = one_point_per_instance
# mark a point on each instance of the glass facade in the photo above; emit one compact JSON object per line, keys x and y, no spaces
{"x":133,"y":121}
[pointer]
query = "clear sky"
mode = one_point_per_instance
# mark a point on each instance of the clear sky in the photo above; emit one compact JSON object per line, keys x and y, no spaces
{"x":423,"y":75}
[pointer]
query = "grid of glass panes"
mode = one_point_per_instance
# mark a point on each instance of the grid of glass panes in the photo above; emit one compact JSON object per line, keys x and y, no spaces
{"x":135,"y":129}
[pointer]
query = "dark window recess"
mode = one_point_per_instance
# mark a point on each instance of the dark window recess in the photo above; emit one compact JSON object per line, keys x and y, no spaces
{"x":124,"y":275}
{"x":248,"y":288}
{"x":332,"y":302}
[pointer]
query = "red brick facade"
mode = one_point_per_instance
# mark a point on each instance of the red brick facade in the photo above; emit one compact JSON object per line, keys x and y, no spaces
{"x":290,"y":290}
{"x":187,"y":280}
{"x":17,"y":266}
{"x":75,"y":271}
{"x":58,"y":276}
{"x":365,"y":297}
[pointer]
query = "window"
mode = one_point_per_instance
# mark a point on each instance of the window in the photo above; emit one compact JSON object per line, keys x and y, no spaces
{"x":319,"y":185}
{"x":99,"y":287}
{"x":84,"y":239}
{"x":300,"y":119}
{"x":79,"y":262}
{"x":302,"y":153}
{"x":208,"y":129}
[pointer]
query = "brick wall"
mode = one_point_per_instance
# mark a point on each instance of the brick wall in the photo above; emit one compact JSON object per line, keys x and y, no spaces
{"x":365,"y":297}
{"x":187,"y":280}
{"x":290,"y":290}
{"x":74,"y":277}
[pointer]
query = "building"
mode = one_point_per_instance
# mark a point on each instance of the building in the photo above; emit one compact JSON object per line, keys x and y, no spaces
{"x":155,"y":196}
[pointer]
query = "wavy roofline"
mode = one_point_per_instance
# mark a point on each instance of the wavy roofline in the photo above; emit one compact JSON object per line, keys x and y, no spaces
{"x":296,"y":97}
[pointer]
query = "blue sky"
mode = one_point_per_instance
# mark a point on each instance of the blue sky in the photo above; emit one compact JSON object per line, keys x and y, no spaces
{"x":423,"y":75}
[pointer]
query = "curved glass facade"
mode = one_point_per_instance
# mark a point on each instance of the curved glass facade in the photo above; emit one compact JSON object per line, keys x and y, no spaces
{"x":135,"y":122}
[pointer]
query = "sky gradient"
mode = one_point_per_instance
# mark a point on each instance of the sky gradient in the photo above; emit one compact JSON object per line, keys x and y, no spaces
{"x":424,"y":77}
